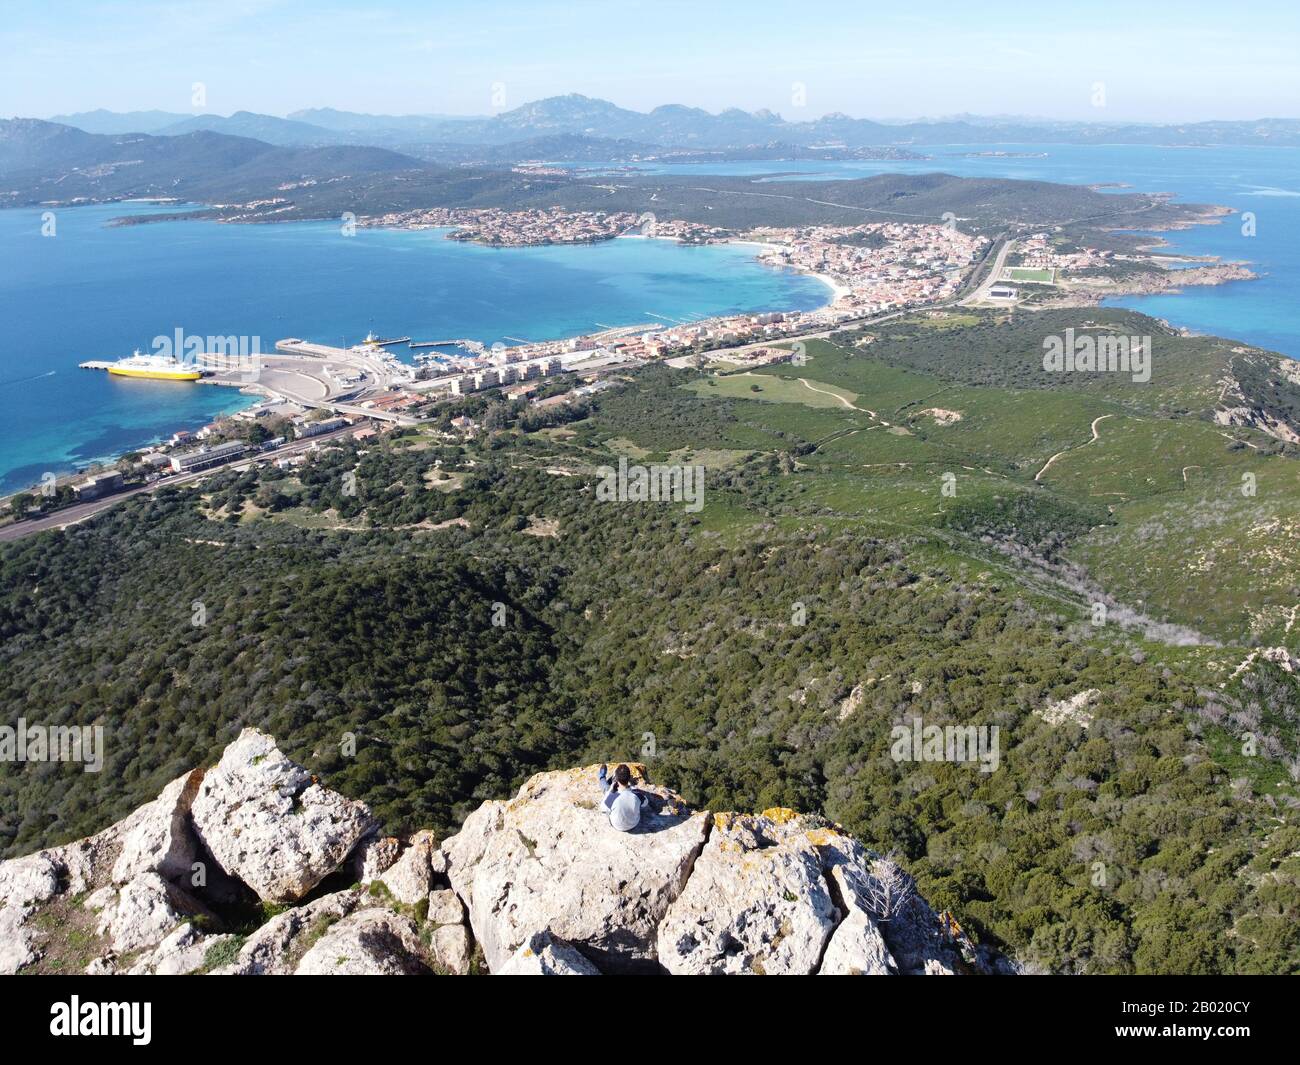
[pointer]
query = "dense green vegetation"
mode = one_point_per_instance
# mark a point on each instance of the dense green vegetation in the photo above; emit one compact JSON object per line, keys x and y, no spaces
{"x":472,"y":614}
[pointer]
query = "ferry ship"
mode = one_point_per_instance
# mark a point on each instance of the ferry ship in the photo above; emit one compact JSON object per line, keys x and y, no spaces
{"x":156,"y":367}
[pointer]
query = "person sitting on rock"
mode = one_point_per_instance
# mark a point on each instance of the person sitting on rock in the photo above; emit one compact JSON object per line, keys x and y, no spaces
{"x":621,"y":802}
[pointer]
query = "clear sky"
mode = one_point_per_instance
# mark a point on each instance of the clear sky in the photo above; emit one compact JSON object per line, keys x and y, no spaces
{"x":1157,"y":60}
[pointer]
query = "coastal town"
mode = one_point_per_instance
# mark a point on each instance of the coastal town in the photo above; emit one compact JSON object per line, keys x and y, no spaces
{"x":309,"y":392}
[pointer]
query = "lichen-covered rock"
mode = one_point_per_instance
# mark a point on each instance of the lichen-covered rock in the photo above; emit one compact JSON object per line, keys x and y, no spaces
{"x":269,"y":824}
{"x":32,"y":879}
{"x":546,"y":884}
{"x":452,"y":948}
{"x":183,"y":951}
{"x":373,"y":856}
{"x":157,"y":838}
{"x":18,"y":941}
{"x":145,"y":911}
{"x":445,"y":908}
{"x":276,"y":947}
{"x":549,"y":860}
{"x":544,"y":955}
{"x":410,"y":878}
{"x":756,"y":902}
{"x":370,"y":942}
{"x":917,"y":941}
{"x":857,"y":946}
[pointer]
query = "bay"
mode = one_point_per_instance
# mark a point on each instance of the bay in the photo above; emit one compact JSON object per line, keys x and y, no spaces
{"x":95,"y":292}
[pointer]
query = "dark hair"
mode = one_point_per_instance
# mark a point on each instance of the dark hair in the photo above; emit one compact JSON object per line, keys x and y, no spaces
{"x":623,"y":776}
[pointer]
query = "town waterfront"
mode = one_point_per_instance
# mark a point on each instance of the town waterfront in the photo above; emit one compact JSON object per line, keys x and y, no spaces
{"x":1262,"y":181}
{"x":95,"y":291}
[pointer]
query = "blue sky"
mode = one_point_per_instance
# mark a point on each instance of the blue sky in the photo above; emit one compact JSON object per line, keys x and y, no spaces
{"x":1156,"y":60}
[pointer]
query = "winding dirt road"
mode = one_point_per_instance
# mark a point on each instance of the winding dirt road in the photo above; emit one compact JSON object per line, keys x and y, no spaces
{"x":1095,"y":437}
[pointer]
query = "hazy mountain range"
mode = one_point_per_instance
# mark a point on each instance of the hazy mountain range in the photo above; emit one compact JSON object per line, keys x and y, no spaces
{"x":669,"y":126}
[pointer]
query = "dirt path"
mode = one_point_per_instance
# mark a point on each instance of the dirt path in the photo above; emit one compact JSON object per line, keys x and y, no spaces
{"x":835,"y":395}
{"x":1095,"y":437}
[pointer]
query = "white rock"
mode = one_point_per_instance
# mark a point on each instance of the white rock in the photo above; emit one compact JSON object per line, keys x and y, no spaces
{"x":159,"y":838}
{"x":371,"y":942}
{"x":100,"y":898}
{"x":755,"y":902}
{"x":373,"y":856}
{"x":549,"y":860}
{"x":267,"y":823}
{"x":18,"y":946}
{"x":452,"y":948}
{"x":916,"y":939}
{"x":184,"y":951}
{"x":544,"y":955}
{"x":445,"y":908}
{"x":33,"y":878}
{"x":410,"y":878}
{"x":274,"y":949}
{"x":146,"y":910}
{"x":857,"y":947}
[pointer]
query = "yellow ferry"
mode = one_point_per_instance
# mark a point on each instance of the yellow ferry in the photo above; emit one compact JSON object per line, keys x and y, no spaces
{"x":155,"y":367}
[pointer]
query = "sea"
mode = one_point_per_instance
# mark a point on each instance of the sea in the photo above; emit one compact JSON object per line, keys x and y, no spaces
{"x":97,"y":291}
{"x":1262,"y":183}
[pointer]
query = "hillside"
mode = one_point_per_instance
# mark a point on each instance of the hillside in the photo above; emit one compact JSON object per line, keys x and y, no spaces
{"x":44,"y":163}
{"x":915,"y":523}
{"x":252,"y":867}
{"x":678,"y":126}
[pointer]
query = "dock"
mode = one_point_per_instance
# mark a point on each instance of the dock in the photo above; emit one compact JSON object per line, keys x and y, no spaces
{"x":468,"y":345}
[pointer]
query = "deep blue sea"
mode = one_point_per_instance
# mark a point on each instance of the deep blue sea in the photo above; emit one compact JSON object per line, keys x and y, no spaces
{"x":94,"y":291}
{"x":1262,"y":181}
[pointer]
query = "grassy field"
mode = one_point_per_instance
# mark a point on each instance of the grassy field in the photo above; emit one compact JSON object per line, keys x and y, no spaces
{"x":774,"y":389}
{"x":1029,"y":274}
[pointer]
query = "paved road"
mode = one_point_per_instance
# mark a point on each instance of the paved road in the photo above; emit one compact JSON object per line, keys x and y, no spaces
{"x":982,"y":292}
{"x":80,"y":512}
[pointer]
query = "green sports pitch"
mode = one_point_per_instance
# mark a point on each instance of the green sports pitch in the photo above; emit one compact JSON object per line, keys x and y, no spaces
{"x":1029,"y":274}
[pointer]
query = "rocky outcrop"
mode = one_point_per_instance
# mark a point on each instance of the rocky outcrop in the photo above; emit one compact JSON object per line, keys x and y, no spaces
{"x":756,"y":902}
{"x":267,"y":822}
{"x":548,"y":860}
{"x":539,"y":884}
{"x":544,"y":955}
{"x":277,"y":946}
{"x":372,"y":942}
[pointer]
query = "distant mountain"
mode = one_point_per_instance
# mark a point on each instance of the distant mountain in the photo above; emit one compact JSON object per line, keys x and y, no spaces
{"x":354,"y":122}
{"x":268,"y":128}
{"x":102,"y":121}
{"x":678,"y":127}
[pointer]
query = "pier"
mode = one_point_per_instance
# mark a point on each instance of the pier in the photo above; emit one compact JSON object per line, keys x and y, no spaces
{"x":469,"y":345}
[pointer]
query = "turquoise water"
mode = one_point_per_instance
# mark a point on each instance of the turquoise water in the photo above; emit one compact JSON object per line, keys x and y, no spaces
{"x":1264,"y":181}
{"x":94,"y":292}
{"x":97,"y":292}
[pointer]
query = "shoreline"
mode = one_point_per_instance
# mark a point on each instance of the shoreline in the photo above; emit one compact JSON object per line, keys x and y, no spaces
{"x":836,"y":290}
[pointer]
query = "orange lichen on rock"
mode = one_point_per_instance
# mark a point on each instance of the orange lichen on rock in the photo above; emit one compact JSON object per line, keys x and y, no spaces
{"x":780,"y":814}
